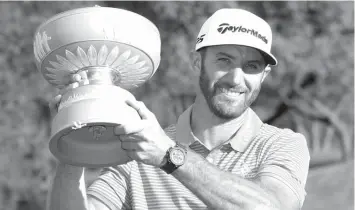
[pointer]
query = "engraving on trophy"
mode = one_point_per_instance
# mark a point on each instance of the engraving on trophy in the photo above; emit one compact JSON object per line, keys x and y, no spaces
{"x":41,"y":47}
{"x":77,"y":97}
{"x":97,"y":131}
{"x":110,"y":33}
{"x":88,"y":94}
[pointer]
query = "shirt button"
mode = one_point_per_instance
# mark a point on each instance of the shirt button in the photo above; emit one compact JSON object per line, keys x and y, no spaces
{"x":209,"y":159}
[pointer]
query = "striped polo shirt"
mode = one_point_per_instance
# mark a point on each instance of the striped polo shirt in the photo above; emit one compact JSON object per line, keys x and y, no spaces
{"x":257,"y":149}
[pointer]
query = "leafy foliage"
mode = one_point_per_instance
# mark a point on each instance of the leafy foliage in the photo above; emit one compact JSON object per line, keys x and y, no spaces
{"x":313,"y":42}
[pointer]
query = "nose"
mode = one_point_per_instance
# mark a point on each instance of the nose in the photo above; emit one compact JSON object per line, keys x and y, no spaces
{"x":235,"y":76}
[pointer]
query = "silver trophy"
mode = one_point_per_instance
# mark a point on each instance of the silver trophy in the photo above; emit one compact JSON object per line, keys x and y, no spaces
{"x":113,"y":51}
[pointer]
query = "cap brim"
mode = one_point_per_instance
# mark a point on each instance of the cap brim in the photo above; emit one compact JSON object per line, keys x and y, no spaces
{"x":269,"y":58}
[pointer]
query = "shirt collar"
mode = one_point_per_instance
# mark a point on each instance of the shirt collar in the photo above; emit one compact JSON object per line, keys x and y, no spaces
{"x":239,"y":142}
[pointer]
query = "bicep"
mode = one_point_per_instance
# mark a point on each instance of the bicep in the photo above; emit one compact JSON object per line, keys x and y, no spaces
{"x":95,"y":204}
{"x":284,"y":170}
{"x":283,"y":194}
{"x":110,"y":189}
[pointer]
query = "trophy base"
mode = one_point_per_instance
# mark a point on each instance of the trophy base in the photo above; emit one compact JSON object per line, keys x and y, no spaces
{"x":83,"y":129}
{"x":67,"y":146}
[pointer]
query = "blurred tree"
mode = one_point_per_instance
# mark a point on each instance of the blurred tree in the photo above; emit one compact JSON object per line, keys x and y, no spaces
{"x":24,"y":94}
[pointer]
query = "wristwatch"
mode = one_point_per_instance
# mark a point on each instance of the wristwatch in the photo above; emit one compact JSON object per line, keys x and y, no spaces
{"x":175,"y":157}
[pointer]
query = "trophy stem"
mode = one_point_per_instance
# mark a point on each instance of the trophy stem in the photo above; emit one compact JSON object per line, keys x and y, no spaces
{"x":99,"y":75}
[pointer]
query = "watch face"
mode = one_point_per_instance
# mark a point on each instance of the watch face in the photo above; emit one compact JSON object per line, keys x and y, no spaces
{"x":177,"y":156}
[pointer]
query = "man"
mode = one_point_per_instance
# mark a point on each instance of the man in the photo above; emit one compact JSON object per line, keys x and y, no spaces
{"x":219,"y":155}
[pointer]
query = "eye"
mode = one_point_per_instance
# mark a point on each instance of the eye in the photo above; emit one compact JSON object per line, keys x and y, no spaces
{"x":252,"y":68}
{"x":224,"y":63}
{"x":226,"y":60}
{"x":251,"y":65}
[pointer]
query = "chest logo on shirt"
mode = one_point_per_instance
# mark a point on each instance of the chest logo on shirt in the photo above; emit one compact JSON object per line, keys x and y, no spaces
{"x":242,"y":169}
{"x":245,"y":170}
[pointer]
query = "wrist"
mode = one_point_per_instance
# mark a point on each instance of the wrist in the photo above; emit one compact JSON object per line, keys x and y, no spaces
{"x":169,"y":145}
{"x":69,"y":170}
{"x":174,"y":158}
{"x":163,"y":162}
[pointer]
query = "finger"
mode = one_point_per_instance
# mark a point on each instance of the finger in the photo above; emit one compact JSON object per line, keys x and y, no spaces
{"x":54,"y":103}
{"x":74,"y":82}
{"x":130,"y":128}
{"x":81,"y":78}
{"x":75,"y":78}
{"x":130,"y":146}
{"x":55,"y":100}
{"x":133,"y":155}
{"x":140,"y":107}
{"x":69,"y":87}
{"x":128,"y":137}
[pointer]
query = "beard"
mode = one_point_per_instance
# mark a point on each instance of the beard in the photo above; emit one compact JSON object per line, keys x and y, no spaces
{"x":222,"y":107}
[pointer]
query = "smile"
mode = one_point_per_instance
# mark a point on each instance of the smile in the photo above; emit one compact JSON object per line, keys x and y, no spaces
{"x":230,"y":92}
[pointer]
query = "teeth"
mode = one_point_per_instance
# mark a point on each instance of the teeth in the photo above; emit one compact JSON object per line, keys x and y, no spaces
{"x":231,"y":93}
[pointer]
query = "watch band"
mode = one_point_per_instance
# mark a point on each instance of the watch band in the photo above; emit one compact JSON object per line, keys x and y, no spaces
{"x":169,"y":166}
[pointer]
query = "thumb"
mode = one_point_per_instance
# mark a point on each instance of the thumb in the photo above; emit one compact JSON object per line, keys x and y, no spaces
{"x":129,"y":128}
{"x":53,"y":104}
{"x":69,"y":87}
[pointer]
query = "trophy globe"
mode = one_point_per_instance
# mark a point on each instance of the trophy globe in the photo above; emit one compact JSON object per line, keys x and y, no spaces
{"x":112,"y":51}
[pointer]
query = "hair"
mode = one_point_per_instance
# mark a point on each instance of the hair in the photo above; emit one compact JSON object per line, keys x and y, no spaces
{"x":202,"y":52}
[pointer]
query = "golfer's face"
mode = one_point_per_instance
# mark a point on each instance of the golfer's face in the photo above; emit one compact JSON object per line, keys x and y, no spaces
{"x":230,"y":78}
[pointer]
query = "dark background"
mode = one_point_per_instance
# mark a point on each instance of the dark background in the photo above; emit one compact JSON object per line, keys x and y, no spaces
{"x":311,"y":90}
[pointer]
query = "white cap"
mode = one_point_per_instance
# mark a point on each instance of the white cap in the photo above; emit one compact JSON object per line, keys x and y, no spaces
{"x":237,"y":27}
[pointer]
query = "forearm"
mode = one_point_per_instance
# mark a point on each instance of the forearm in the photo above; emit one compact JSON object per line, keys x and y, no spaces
{"x":219,"y":189}
{"x":68,"y":189}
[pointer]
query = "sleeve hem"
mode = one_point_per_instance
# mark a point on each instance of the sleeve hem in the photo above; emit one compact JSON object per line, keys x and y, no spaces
{"x":102,"y":199}
{"x":276,"y":176}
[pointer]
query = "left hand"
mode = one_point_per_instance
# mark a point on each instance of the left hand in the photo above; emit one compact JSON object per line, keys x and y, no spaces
{"x":144,"y":141}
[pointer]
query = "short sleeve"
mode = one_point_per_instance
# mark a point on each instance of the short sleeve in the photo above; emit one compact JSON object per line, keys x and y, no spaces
{"x":111,"y":187}
{"x":288,"y":161}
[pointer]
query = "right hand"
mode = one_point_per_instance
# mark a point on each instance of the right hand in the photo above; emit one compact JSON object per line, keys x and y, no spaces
{"x":75,"y":80}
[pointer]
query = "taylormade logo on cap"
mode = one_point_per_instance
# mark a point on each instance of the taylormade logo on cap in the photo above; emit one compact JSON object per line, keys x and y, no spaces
{"x":226,"y":27}
{"x":231,"y":26}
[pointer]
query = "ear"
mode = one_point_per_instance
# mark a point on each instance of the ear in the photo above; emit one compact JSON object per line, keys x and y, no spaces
{"x":195,"y":60}
{"x":266,"y":72}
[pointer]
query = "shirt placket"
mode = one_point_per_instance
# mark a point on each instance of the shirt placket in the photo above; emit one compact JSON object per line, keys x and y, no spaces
{"x":214,"y":156}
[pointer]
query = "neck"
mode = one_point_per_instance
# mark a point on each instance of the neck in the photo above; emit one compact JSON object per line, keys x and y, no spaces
{"x":211,"y":130}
